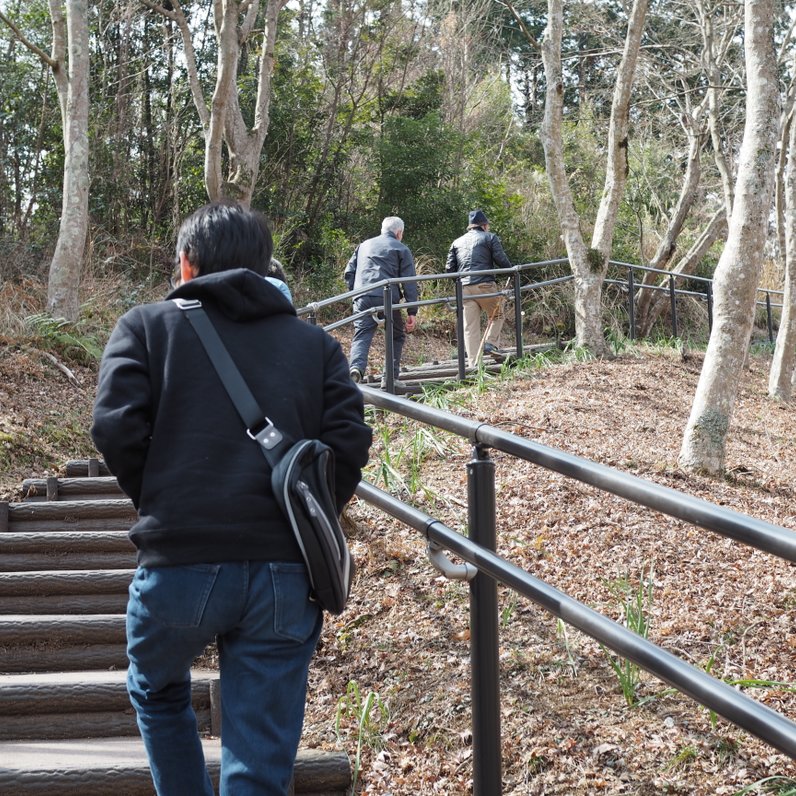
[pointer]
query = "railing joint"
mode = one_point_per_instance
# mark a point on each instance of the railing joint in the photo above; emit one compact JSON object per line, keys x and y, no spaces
{"x":446,"y":567}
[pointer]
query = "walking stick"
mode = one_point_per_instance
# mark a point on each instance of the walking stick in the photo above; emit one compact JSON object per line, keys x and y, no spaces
{"x":491,"y":318}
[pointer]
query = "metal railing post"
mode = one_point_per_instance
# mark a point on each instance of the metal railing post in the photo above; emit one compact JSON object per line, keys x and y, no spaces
{"x":518,"y":314}
{"x":389,"y":348}
{"x":673,"y":300}
{"x":710,"y":306}
{"x":768,"y":318}
{"x":484,"y":660}
{"x":631,"y":301}
{"x":460,"y":327}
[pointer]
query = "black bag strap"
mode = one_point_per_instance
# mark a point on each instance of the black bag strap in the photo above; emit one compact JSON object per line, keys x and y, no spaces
{"x":258,"y":426}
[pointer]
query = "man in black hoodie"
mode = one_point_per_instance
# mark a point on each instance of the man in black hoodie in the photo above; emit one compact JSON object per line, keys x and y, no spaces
{"x":216,"y":558}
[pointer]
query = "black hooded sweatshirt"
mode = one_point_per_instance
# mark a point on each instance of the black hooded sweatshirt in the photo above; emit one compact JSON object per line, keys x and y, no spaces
{"x":171,"y":435}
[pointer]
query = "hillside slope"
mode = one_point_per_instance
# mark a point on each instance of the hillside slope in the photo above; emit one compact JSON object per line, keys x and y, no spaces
{"x":404,"y":638}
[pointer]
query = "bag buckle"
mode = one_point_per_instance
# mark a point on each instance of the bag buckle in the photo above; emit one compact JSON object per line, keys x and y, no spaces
{"x":187,"y":304}
{"x":269,"y":436}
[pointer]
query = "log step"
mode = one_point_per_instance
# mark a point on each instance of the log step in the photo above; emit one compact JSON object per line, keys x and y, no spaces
{"x":88,"y":704}
{"x":86,"y":468}
{"x":22,"y":551}
{"x":68,"y":515}
{"x":48,"y":642}
{"x":99,"y":488}
{"x":64,"y":591}
{"x":99,"y":767}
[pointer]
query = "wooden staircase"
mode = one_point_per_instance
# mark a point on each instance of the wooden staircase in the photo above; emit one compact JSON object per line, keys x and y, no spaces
{"x":66,"y":724}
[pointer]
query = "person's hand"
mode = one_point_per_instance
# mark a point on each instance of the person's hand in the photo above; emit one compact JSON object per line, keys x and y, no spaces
{"x":411,"y":322}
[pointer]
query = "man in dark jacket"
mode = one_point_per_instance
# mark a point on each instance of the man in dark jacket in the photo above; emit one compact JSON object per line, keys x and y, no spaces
{"x":374,"y":260}
{"x":216,"y":557}
{"x":476,"y":251}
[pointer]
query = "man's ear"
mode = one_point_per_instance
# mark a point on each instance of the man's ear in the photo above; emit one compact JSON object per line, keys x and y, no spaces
{"x":187,"y":271}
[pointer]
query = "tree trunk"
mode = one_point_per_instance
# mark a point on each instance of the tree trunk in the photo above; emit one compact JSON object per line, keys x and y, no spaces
{"x":738,"y":271}
{"x":222,"y":122}
{"x":687,"y":264}
{"x":668,"y":245}
{"x":617,"y":168}
{"x":72,"y":82}
{"x":588,"y":325}
{"x":589,"y":266}
{"x":780,"y":380}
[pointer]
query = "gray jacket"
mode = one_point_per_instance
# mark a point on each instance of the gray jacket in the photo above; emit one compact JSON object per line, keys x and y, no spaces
{"x":379,"y":258}
{"x":476,"y":250}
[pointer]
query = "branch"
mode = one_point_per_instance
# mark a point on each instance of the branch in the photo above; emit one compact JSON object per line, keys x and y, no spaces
{"x":250,"y":11}
{"x":529,"y":37}
{"x":60,"y":365}
{"x":162,"y":10}
{"x":51,"y":62}
{"x":177,"y":15}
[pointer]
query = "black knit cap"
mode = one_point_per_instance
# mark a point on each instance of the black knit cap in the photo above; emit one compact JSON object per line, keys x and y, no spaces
{"x":477,"y":218}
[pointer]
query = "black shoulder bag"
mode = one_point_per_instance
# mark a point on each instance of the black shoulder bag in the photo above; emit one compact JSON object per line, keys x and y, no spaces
{"x":302,"y":475}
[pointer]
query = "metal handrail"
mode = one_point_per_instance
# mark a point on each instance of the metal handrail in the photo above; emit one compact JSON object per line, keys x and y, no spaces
{"x":757,"y":533}
{"x":733,"y":705}
{"x":515,"y":293}
{"x":314,"y":306}
{"x":480,"y":551}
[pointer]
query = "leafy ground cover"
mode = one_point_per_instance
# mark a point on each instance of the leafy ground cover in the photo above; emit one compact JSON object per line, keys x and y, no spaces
{"x":390,"y":683}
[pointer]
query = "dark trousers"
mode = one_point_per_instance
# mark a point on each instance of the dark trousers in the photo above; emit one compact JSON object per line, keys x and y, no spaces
{"x":364,"y":329}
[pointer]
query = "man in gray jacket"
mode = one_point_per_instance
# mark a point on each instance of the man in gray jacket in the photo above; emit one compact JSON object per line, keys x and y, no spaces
{"x":374,"y":260}
{"x":476,"y":251}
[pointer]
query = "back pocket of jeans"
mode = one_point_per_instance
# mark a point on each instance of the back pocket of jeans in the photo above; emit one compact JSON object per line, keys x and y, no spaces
{"x":295,"y":615}
{"x":175,"y":596}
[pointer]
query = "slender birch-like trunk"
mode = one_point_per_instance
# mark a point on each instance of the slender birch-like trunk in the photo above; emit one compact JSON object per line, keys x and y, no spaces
{"x":71,"y":54}
{"x":589,"y":265}
{"x":69,"y":62}
{"x":738,"y":271}
{"x":783,"y":365}
{"x":222,"y":120}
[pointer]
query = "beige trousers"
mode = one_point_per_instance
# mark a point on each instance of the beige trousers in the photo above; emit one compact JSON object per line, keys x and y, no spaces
{"x":472,"y":318}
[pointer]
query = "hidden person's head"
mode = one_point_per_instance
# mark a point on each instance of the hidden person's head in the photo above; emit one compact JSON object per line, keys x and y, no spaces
{"x":221,"y":236}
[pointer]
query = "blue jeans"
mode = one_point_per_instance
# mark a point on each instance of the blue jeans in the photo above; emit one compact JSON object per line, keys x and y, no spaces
{"x":364,"y":329}
{"x":266,"y":629}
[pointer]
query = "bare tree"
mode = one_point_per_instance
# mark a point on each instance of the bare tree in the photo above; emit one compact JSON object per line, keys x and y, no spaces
{"x":738,"y":271}
{"x":69,"y":62}
{"x":222,"y":120}
{"x":783,"y":365}
{"x":589,"y":265}
{"x":677,"y":77}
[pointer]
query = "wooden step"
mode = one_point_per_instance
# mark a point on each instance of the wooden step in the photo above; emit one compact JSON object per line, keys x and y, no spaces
{"x":65,"y":591}
{"x":100,"y":488}
{"x":86,"y":468}
{"x":70,"y":550}
{"x":68,"y":515}
{"x":85,"y":704}
{"x":102,"y":767}
{"x":47,"y":642}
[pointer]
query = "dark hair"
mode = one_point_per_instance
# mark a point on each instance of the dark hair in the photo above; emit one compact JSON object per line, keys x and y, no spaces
{"x":221,"y":236}
{"x":276,"y":270}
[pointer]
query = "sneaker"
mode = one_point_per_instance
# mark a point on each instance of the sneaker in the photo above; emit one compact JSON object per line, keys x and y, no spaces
{"x":493,"y":351}
{"x":356,"y":375}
